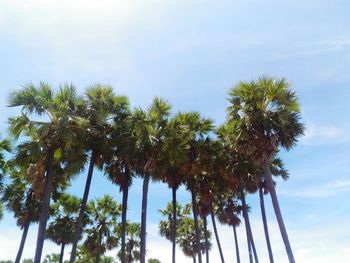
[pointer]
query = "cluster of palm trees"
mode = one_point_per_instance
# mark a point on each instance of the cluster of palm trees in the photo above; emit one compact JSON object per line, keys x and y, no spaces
{"x":61,"y":133}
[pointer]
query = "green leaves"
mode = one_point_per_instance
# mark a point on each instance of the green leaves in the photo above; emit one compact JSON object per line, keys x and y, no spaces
{"x":264,"y":114}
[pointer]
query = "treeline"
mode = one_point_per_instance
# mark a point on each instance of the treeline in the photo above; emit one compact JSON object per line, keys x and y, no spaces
{"x":59,"y":134}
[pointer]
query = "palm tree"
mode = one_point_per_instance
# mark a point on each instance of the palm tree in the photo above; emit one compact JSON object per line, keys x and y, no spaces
{"x":102,"y":230}
{"x":187,"y":237}
{"x":196,"y":129}
{"x":118,"y":167}
{"x":265,"y":115}
{"x":61,"y":229}
{"x":277,"y":169}
{"x":5,"y":146}
{"x":166,"y":226}
{"x":227,"y":211}
{"x":240,"y":177}
{"x":132,"y":244}
{"x":59,"y":131}
{"x":149,"y":129}
{"x":100,"y":104}
{"x":19,"y":198}
{"x":169,"y":166}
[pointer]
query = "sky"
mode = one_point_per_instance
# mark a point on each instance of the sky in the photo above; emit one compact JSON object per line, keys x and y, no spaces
{"x":191,"y":53}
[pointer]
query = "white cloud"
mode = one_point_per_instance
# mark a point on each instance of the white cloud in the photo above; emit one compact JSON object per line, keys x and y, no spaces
{"x":321,"y":191}
{"x":315,"y":48}
{"x":325,"y":134}
{"x":10,"y":238}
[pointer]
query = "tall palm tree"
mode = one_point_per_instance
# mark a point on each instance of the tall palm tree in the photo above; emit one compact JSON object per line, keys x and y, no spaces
{"x":102,"y":230}
{"x":119,"y":164}
{"x":168,"y":170}
{"x":241,"y":179}
{"x":196,"y":130}
{"x":100,"y":105}
{"x":59,"y":130}
{"x":61,"y":229}
{"x":265,"y":115}
{"x":150,"y":129}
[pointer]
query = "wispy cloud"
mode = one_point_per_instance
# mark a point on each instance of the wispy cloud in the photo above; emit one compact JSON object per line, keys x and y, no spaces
{"x":321,"y":191}
{"x":315,"y":48}
{"x":325,"y":134}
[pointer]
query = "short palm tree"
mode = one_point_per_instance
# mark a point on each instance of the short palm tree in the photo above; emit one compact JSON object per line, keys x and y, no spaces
{"x":165,"y":225}
{"x":187,"y":238}
{"x":227,"y":210}
{"x":5,"y":146}
{"x":58,"y":130}
{"x":19,"y":198}
{"x":102,"y":232}
{"x":265,"y":116}
{"x":132,"y":243}
{"x":61,"y":229}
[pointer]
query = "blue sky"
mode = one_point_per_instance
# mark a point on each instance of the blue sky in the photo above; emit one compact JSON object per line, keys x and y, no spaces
{"x":191,"y":53}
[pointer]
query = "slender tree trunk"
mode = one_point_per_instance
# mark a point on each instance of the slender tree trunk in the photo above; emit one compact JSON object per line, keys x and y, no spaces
{"x":63,"y":245}
{"x":276,"y":207}
{"x":250,"y":233}
{"x":97,"y":259}
{"x":23,"y":241}
{"x":236,"y":245}
{"x":196,"y":225}
{"x":194,"y":258}
{"x":45,"y":205}
{"x":130,"y":258}
{"x":78,"y":229}
{"x":217,"y":236}
{"x":124,"y":211}
{"x":246,"y":220}
{"x":144,"y":218}
{"x":266,"y":229}
{"x":173,"y":227}
{"x":206,"y":238}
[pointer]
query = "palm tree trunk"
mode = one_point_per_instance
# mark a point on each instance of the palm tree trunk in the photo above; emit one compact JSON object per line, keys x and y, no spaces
{"x":250,"y":233}
{"x":246,"y":220}
{"x":236,"y":245}
{"x":173,"y":228}
{"x":217,"y":236}
{"x":276,"y":207}
{"x":196,"y":225}
{"x":266,"y":229}
{"x":45,"y":205}
{"x":82,"y":208}
{"x":206,"y":238}
{"x":62,"y":252}
{"x":23,"y":241}
{"x":124,"y":211}
{"x":144,"y":218}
